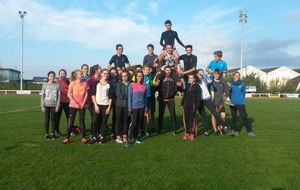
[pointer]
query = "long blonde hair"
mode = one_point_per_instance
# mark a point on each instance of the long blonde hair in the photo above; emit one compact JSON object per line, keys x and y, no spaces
{"x":73,"y":74}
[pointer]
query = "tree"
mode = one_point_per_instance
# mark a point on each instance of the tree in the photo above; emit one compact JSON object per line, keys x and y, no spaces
{"x":274,"y":86}
{"x":289,"y":87}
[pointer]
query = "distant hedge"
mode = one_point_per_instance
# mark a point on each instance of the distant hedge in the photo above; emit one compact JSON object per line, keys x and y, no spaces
{"x":16,"y":86}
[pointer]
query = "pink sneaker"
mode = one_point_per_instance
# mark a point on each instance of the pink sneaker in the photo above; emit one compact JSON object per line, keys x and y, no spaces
{"x":192,"y":137}
{"x":83,"y":140}
{"x":66,"y":141}
{"x":186,"y":136}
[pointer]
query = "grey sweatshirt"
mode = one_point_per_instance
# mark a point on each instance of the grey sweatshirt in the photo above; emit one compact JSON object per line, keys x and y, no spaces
{"x":50,"y":96}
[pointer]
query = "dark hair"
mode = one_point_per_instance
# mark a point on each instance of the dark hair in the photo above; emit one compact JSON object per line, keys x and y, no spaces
{"x":217,"y":71}
{"x":194,"y":76}
{"x":118,"y":45}
{"x":150,"y":45}
{"x":168,"y":66}
{"x":189,"y":46}
{"x":62,"y":70}
{"x":103,"y":70}
{"x":168,"y":45}
{"x":199,"y":70}
{"x":84,"y":65}
{"x":136,"y":76}
{"x":93,"y":69}
{"x":138,"y":66}
{"x":235,"y":73}
{"x":49,"y":73}
{"x":218,"y":53}
{"x":168,"y":22}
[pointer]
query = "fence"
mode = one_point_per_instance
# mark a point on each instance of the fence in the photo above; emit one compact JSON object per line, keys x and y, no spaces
{"x":248,"y":95}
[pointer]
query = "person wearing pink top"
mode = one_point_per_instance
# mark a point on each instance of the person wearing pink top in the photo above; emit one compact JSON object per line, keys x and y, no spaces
{"x":77,"y":94}
{"x":64,"y":100}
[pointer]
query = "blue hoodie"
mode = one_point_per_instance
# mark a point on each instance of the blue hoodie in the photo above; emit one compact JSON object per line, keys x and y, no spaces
{"x":237,"y":92}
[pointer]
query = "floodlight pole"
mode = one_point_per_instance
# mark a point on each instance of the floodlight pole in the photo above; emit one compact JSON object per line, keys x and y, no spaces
{"x":22,"y":15}
{"x":242,"y":20}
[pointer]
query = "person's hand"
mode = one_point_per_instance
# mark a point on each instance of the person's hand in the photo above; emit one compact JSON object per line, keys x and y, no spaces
{"x":129,"y":113}
{"x":97,"y":110}
{"x":43,"y":109}
{"x":107,"y":111}
{"x":77,"y":105}
{"x":156,"y":83}
{"x":56,"y":109}
{"x":178,"y":83}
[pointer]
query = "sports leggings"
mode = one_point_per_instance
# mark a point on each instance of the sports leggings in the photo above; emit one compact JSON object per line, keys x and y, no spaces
{"x":64,"y":106}
{"x":100,"y":121}
{"x":121,"y":120}
{"x":72,"y":116}
{"x":136,"y":119}
{"x":49,"y":115}
{"x":210,"y":106}
{"x":189,"y":118}
{"x":201,"y":111}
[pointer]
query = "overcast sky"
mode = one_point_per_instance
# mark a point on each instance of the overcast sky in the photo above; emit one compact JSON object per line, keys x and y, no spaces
{"x":66,"y":34}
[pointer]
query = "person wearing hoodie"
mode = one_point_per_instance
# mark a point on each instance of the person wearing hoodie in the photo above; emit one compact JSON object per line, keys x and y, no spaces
{"x":237,"y":96}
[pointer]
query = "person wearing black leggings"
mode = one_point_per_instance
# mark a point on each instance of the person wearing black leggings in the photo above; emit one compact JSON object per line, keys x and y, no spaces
{"x":121,"y":126}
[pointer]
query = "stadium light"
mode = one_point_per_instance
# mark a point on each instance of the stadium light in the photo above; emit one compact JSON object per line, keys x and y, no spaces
{"x":242,"y":20}
{"x":22,"y":15}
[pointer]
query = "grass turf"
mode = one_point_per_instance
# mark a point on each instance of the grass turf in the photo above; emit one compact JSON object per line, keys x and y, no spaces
{"x":268,"y":161}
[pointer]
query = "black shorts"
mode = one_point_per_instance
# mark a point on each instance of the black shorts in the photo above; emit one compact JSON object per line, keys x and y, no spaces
{"x":221,"y":108}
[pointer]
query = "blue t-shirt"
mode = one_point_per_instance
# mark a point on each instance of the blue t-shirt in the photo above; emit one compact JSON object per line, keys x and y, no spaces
{"x":217,"y":65}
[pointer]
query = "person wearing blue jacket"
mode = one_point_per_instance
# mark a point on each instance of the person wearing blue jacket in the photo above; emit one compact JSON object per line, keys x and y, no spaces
{"x":137,"y":107}
{"x":237,"y":96}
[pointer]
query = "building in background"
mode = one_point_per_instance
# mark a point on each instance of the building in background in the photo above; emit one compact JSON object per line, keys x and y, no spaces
{"x":9,"y":75}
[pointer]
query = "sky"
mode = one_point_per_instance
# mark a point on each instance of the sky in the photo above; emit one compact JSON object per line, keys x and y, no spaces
{"x":64,"y":34}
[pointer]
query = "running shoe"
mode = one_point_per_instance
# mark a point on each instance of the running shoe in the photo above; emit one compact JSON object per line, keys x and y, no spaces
{"x":66,"y":141}
{"x":47,"y":137}
{"x":119,"y":140}
{"x":251,"y":134}
{"x":93,"y":141}
{"x":102,"y":140}
{"x":136,"y":141}
{"x":83,"y":140}
{"x":236,"y":133}
{"x":192,"y":137}
{"x":186,"y":136}
{"x":229,"y":102}
{"x":53,"y":136}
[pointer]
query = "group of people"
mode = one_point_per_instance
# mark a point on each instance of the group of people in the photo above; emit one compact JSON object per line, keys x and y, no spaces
{"x":130,"y":95}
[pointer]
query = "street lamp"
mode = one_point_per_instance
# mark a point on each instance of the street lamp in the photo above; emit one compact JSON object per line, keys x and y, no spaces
{"x":243,"y":19}
{"x":22,"y":15}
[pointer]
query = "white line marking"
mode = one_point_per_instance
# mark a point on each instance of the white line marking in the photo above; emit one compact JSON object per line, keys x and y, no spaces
{"x":18,"y":110}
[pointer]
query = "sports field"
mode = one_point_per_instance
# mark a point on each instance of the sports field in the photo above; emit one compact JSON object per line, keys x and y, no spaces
{"x":269,"y":161}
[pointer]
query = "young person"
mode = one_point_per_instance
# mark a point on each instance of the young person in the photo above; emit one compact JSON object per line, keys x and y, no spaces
{"x":168,"y":37}
{"x":218,"y":63}
{"x":167,"y":87}
{"x":113,"y":80}
{"x":148,"y":76}
{"x":121,"y":127}
{"x":190,"y":101}
{"x":203,"y":81}
{"x":64,"y":99}
{"x":77,"y":94}
{"x":95,"y":71}
{"x":217,"y":91}
{"x":85,"y":71}
{"x":150,"y":58}
{"x":137,"y":107}
{"x":237,"y":95}
{"x":120,"y":60}
{"x":189,"y":63}
{"x":102,"y":99}
{"x":50,"y":102}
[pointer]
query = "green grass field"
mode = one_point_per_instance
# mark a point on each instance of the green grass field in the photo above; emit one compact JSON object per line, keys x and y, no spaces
{"x":269,"y":161}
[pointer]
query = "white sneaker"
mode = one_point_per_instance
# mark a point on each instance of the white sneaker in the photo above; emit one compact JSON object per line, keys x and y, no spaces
{"x":119,"y":141}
